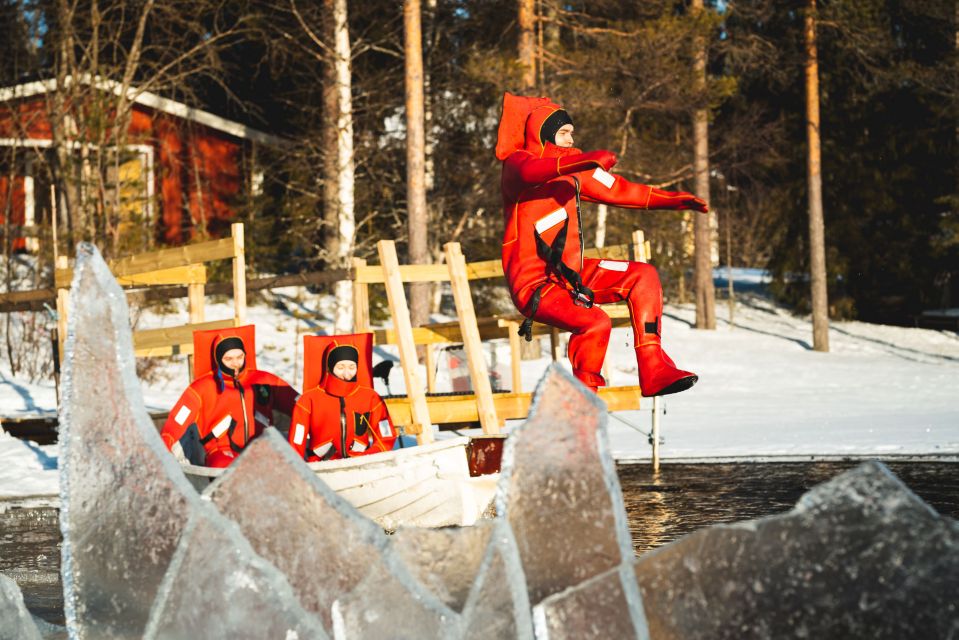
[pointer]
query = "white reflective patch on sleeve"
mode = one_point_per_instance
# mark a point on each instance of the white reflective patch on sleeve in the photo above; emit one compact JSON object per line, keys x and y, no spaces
{"x":222,"y":426}
{"x":358,"y":447}
{"x":182,"y":415}
{"x":385,"y":429}
{"x":604,"y":178}
{"x":613,"y":265}
{"x":550,"y":220}
{"x":322,"y":450}
{"x":299,"y":433}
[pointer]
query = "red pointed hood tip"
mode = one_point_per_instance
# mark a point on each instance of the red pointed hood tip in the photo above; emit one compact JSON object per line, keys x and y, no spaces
{"x":520,"y":124}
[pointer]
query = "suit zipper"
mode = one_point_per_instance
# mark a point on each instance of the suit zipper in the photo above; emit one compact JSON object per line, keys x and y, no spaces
{"x":343,"y":428}
{"x":579,"y":224}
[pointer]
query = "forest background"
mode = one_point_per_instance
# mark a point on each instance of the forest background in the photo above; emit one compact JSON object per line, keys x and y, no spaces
{"x":627,"y":73}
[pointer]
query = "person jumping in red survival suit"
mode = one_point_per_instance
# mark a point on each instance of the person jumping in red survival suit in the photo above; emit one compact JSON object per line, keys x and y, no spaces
{"x":340,"y":418}
{"x":544,"y":180}
{"x":230,"y":404}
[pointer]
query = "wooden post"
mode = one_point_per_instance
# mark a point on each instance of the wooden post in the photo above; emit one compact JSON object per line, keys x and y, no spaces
{"x":361,"y":301}
{"x":430,"y":368}
{"x":654,"y":434}
{"x":554,"y":344}
{"x":195,"y":305}
{"x":239,"y":275}
{"x":472,"y":342}
{"x":62,"y":298}
{"x":515,"y":353}
{"x":639,"y":246}
{"x":422,"y":426}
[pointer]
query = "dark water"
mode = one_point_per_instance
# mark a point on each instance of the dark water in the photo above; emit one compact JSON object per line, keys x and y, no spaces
{"x":662,"y":507}
{"x":684,"y":497}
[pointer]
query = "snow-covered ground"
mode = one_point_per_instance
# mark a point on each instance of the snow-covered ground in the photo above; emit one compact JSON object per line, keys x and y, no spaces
{"x":763,"y":392}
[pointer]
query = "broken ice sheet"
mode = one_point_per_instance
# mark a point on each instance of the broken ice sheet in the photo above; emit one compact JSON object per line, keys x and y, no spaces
{"x":860,"y":556}
{"x":444,"y":560}
{"x":124,"y":500}
{"x":218,"y":587}
{"x":389,"y":604}
{"x":498,"y":605}
{"x":605,"y":606}
{"x":16,"y":622}
{"x":320,"y":541}
{"x":559,"y":489}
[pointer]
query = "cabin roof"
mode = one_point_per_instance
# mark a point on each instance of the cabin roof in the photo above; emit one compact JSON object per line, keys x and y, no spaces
{"x":150,"y":100}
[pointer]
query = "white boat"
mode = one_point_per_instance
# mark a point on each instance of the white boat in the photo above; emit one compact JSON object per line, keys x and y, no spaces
{"x":423,"y":486}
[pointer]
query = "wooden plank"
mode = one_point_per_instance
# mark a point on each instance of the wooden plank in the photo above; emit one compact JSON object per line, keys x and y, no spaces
{"x":361,"y":300}
{"x":189,"y":275}
{"x":472,"y":344}
{"x":407,"y":273}
{"x":484,"y":269}
{"x":33,"y":295}
{"x":239,"y":275}
{"x":197,"y":253}
{"x":174,"y":336}
{"x":421,"y":425}
{"x":612,"y":252}
{"x":509,"y":406}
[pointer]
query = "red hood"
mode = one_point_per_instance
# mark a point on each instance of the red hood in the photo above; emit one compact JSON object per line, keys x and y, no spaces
{"x":520,"y":124}
{"x":316,"y":348}
{"x":204,"y":346}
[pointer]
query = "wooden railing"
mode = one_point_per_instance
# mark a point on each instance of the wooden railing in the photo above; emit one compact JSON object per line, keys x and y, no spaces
{"x":184,"y":265}
{"x":418,"y":409}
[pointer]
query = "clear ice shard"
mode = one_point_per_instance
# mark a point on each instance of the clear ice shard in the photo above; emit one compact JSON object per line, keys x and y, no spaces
{"x":218,"y":587}
{"x":16,"y":623}
{"x":559,"y":490}
{"x":386,"y":604}
{"x":860,"y":556}
{"x":444,"y":560}
{"x":605,"y":606}
{"x":124,"y":500}
{"x":319,"y":540}
{"x":498,"y":605}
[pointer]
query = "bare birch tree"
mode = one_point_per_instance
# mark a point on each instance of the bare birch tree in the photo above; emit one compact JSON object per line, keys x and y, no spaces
{"x":817,"y":242}
{"x":418,"y":218}
{"x":346,"y":219}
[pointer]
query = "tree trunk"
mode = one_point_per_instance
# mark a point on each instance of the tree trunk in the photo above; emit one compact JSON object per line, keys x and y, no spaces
{"x":702,"y":234}
{"x":817,"y":243}
{"x":346,"y":222}
{"x":415,"y":159}
{"x":331,"y":108}
{"x":527,"y":43}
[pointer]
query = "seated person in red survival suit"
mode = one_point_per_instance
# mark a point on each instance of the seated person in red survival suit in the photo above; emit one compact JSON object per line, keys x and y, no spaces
{"x":544,"y":180}
{"x":341,"y":416}
{"x":229,"y":402}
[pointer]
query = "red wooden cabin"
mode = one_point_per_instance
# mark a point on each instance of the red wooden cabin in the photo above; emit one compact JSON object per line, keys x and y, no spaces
{"x":183,"y":169}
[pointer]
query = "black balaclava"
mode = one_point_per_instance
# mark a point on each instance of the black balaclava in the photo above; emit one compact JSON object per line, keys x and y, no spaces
{"x":552,"y":124}
{"x":340,"y":353}
{"x":221,"y":349}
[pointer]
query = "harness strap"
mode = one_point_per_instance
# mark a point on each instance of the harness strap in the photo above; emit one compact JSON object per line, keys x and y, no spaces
{"x":553,"y":255}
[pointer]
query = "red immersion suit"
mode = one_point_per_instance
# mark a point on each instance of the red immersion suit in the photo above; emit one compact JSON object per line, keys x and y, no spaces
{"x":228,"y":410}
{"x":336,"y":418}
{"x":548,"y":278}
